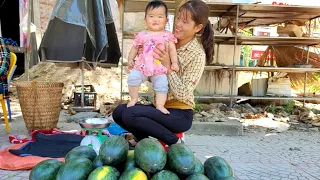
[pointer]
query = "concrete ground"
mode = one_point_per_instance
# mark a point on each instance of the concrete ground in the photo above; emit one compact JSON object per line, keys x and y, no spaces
{"x":287,"y":155}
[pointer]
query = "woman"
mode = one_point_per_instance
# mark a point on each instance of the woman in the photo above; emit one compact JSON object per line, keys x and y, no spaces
{"x":144,"y":121}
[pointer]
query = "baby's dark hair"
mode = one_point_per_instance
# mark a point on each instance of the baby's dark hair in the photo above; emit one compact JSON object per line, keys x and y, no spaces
{"x":155,"y":4}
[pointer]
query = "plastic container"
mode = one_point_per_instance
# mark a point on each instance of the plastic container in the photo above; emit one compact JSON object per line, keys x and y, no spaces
{"x":259,"y":87}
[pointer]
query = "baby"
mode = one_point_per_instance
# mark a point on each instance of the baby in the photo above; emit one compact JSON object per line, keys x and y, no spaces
{"x":145,"y":66}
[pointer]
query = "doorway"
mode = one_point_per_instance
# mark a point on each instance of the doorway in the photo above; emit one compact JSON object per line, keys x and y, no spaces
{"x":9,"y":18}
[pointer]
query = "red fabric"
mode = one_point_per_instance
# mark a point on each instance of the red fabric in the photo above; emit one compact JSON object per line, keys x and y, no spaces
{"x":9,"y":161}
{"x":165,"y":146}
{"x":18,"y":139}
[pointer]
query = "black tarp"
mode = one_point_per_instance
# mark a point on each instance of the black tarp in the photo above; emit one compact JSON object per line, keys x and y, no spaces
{"x":81,"y":29}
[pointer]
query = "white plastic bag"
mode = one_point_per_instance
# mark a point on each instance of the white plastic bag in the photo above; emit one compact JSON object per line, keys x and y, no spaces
{"x":24,"y":25}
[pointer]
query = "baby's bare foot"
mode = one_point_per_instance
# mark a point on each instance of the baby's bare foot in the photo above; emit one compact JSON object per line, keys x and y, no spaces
{"x":163,"y":109}
{"x":132,"y":102}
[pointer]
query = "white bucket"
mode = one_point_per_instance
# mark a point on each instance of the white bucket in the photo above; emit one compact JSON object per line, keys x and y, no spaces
{"x":259,"y":86}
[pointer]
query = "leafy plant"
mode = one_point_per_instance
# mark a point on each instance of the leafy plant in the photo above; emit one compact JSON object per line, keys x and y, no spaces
{"x":246,"y":49}
{"x":272,"y":109}
{"x":314,"y":87}
{"x":197,"y":107}
{"x":288,"y":107}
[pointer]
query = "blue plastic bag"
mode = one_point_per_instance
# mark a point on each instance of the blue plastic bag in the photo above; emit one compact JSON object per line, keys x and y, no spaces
{"x":115,"y":129}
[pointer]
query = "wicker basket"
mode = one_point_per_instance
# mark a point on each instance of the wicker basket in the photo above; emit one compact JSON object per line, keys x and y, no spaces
{"x":40,"y":104}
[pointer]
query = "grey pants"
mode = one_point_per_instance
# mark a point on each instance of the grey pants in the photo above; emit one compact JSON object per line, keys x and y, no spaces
{"x":159,"y":81}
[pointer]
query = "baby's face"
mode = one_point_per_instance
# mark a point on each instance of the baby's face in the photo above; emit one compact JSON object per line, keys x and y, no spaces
{"x":156,"y":19}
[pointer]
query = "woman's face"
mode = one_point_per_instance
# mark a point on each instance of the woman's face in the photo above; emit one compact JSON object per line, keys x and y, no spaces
{"x":185,"y":27}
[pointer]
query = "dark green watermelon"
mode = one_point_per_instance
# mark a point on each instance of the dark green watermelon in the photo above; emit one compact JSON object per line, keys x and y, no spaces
{"x":165,"y":175}
{"x":75,"y":169}
{"x":45,"y":170}
{"x":217,"y":168}
{"x":104,"y":173}
{"x":229,"y":178}
{"x":114,"y":151}
{"x":133,"y":174}
{"x":198,"y":167}
{"x":197,"y":176}
{"x":150,"y":155}
{"x":81,"y":151}
{"x":130,"y":162}
{"x":97,"y":162}
{"x":181,"y":159}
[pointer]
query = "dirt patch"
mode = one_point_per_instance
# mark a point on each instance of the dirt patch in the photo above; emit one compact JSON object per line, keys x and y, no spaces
{"x":106,"y":81}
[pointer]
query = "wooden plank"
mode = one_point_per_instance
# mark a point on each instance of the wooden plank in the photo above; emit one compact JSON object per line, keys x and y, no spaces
{"x":15,"y":49}
{"x":278,"y":69}
{"x":314,"y":10}
{"x":255,"y":40}
{"x":140,"y":5}
{"x":255,"y":97}
{"x":264,"y":69}
{"x":36,"y":13}
{"x":263,"y":10}
{"x":262,"y":14}
{"x":275,"y":41}
{"x":140,"y":94}
{"x":128,"y":35}
{"x":276,"y":16}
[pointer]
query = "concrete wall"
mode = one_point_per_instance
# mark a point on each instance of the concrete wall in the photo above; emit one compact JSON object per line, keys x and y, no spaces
{"x":219,"y":82}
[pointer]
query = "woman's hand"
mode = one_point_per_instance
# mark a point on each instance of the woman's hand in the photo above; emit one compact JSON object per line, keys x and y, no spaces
{"x":162,"y":54}
{"x":130,"y":64}
{"x":140,"y":50}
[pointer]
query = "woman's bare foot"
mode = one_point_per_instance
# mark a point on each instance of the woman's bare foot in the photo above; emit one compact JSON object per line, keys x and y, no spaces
{"x":133,"y":142}
{"x":132,"y":102}
{"x":162,"y":109}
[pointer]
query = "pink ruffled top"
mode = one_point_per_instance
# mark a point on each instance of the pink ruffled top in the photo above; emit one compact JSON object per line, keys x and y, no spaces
{"x":145,"y":62}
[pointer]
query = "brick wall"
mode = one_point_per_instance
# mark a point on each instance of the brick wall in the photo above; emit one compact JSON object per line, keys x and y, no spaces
{"x":46,"y":7}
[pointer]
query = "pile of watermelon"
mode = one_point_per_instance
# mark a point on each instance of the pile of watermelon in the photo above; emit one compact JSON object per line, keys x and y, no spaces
{"x":147,"y":161}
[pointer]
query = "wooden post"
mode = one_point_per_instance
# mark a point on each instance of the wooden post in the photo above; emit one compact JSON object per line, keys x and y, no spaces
{"x":36,"y":13}
{"x":28,"y":53}
{"x":121,"y":12}
{"x":82,"y":82}
{"x":272,"y":59}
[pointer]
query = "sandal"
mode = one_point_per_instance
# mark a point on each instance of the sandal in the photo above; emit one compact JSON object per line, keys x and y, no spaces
{"x":130,"y":138}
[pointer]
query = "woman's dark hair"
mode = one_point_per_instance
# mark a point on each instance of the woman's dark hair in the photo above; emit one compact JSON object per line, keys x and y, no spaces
{"x":199,"y":13}
{"x":155,"y":4}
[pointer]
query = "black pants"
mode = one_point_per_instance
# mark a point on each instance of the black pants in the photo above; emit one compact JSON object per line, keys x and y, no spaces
{"x":145,"y":120}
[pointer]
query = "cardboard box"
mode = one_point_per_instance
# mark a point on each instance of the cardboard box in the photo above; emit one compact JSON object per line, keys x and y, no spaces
{"x":291,"y":30}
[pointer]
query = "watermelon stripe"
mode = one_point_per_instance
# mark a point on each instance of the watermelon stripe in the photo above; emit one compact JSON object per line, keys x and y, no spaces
{"x":139,"y":175}
{"x":102,"y":173}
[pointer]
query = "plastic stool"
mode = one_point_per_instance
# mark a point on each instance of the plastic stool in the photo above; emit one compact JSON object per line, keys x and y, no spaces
{"x":179,"y":135}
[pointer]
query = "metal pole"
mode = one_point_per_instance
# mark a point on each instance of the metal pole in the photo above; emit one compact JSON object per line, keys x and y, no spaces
{"x":28,"y":53}
{"x":306,"y":74}
{"x":219,"y":24}
{"x":218,"y":50}
{"x":305,"y":78}
{"x":82,"y":83}
{"x":121,"y":66}
{"x":234,"y":57}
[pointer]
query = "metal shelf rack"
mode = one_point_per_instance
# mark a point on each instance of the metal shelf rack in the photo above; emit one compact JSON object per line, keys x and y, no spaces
{"x":249,"y":15}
